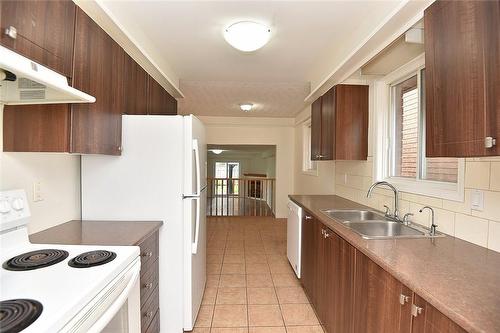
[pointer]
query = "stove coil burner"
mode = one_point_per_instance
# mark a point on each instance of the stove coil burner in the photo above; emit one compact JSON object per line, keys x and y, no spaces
{"x":17,"y":314}
{"x":92,"y":258}
{"x":35,"y":259}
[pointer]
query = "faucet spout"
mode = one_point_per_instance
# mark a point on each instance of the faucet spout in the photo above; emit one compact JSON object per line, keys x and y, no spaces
{"x":393,"y":188}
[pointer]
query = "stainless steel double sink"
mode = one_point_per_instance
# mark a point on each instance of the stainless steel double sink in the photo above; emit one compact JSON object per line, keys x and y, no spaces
{"x":371,"y":224}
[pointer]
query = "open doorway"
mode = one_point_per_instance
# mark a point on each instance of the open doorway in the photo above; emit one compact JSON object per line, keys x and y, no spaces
{"x":241,"y":180}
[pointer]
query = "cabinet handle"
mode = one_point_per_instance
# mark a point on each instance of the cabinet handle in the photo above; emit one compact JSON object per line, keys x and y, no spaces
{"x":148,"y":285}
{"x":416,"y":310}
{"x":489,"y":142}
{"x":308,"y":217}
{"x":148,"y":314}
{"x":326,"y":234}
{"x":11,"y":32}
{"x":147,"y":254}
{"x":403,"y":299}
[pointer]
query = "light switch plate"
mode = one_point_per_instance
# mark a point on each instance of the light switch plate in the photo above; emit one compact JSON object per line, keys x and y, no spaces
{"x":477,"y":200}
{"x":37,"y":191}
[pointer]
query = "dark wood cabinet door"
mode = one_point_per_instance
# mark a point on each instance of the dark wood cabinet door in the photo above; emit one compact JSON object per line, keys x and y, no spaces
{"x":492,"y":69}
{"x":339,"y":283}
{"x":98,"y":70}
{"x":45,"y":31}
{"x":377,"y":306}
{"x":430,"y":320}
{"x":328,"y":125}
{"x":322,"y":256}
{"x":351,"y":128}
{"x":36,"y":128}
{"x":136,"y":88}
{"x":316,"y":130}
{"x":160,"y":102}
{"x":455,"y":87}
{"x":308,"y":254}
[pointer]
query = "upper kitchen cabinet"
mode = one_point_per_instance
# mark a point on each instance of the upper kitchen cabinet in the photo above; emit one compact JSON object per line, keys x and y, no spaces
{"x":462,"y":78}
{"x":160,"y":102}
{"x":339,"y":124}
{"x":40,"y":30}
{"x":136,"y":88}
{"x":98,"y":70}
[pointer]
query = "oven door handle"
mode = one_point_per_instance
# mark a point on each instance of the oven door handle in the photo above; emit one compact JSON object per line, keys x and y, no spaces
{"x":113,"y":309}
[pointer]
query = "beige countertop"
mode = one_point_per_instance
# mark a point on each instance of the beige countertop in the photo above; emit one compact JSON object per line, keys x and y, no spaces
{"x":460,"y":279}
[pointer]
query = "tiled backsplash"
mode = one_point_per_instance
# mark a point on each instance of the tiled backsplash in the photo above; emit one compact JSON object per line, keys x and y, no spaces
{"x":352,"y":179}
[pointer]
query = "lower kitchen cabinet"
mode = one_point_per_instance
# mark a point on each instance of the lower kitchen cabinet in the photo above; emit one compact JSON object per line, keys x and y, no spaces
{"x":427,"y":319}
{"x":382,"y":303}
{"x":308,"y":255}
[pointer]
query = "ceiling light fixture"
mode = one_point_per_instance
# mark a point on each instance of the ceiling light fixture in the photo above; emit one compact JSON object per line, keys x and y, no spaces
{"x":246,"y":107}
{"x":216,"y":151}
{"x":247,"y":36}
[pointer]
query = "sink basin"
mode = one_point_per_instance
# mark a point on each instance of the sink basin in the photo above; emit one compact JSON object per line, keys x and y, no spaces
{"x":383,"y":229}
{"x":371,"y":224}
{"x":353,"y":215}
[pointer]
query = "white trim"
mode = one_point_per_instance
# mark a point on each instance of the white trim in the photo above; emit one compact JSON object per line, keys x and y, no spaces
{"x":382,"y":103}
{"x":306,"y":147}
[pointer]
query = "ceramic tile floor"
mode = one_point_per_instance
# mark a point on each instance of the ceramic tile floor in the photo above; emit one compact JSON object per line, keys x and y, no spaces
{"x":251,"y":287}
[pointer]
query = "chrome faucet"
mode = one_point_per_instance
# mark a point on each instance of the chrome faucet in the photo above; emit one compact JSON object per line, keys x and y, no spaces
{"x":395,"y":216}
{"x":433,"y":226}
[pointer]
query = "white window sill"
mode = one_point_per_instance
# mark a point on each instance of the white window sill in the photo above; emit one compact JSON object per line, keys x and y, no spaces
{"x":310,"y":172}
{"x":441,"y":190}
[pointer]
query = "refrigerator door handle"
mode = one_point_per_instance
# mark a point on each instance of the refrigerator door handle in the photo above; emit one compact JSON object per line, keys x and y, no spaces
{"x":198,"y":166}
{"x":194,"y":245}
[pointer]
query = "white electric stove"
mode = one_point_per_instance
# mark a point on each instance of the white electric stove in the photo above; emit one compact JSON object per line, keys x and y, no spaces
{"x":56,"y":288}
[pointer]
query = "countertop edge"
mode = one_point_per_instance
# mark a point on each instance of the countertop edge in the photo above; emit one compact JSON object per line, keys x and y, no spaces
{"x":343,"y":232}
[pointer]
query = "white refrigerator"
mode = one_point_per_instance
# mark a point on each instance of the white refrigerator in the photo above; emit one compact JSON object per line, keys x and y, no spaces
{"x":160,"y":175}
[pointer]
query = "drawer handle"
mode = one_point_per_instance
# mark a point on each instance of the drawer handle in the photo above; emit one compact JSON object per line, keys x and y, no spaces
{"x":403,"y":299}
{"x":11,"y":32}
{"x":148,"y":314}
{"x":147,"y":254}
{"x":148,"y":285}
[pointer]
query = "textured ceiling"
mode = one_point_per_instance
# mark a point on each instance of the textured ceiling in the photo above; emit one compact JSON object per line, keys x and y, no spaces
{"x":209,"y":98}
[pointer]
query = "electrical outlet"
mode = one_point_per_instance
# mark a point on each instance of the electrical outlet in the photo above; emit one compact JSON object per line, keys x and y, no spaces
{"x":477,"y":200}
{"x":37,"y":191}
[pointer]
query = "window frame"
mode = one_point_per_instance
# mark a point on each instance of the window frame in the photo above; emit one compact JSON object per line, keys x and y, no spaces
{"x":384,"y":131}
{"x":309,"y":167}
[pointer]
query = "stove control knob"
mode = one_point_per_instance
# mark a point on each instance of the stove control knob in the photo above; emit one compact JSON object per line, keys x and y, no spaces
{"x":18,"y":203}
{"x":4,"y":206}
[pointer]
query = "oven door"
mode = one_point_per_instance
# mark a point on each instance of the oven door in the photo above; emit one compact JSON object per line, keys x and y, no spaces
{"x":115,"y":309}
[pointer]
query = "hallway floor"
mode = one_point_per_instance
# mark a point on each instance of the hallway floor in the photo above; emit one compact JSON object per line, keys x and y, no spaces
{"x":251,"y":287}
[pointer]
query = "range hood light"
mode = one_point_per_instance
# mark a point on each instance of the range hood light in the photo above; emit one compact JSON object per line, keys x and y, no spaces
{"x":246,"y":107}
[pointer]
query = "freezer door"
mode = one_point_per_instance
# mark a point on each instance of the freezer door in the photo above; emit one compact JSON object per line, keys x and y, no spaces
{"x":194,"y":218}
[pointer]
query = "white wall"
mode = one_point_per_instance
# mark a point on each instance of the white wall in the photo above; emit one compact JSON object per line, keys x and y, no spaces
{"x":60,"y":177}
{"x":324,"y":181}
{"x":260,"y":131}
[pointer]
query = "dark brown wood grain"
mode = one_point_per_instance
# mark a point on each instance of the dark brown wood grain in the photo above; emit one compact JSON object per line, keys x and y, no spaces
{"x":462,"y":77}
{"x":36,"y":128}
{"x":431,"y":320}
{"x":308,"y":256}
{"x":316,"y":130}
{"x":351,"y":124}
{"x":45,"y":31}
{"x":160,"y":101}
{"x":98,"y":70}
{"x":328,"y":125}
{"x":136,"y":88}
{"x":376,"y":300}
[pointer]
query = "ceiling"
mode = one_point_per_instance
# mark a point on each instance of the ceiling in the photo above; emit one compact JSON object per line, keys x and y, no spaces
{"x":215,"y":77}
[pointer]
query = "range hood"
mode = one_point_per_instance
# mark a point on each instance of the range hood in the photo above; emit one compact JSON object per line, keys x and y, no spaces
{"x":23,"y":81}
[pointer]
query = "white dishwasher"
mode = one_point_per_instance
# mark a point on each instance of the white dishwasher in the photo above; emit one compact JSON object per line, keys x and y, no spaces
{"x":294,"y":236}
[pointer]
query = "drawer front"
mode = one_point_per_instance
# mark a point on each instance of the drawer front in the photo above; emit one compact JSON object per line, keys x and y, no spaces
{"x":149,"y":281}
{"x":149,"y":252}
{"x":149,"y":309}
{"x":154,"y":327}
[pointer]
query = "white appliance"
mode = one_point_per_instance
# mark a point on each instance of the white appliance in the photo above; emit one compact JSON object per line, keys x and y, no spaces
{"x":294,"y":236}
{"x":103,"y":298}
{"x":23,"y":81}
{"x":160,"y":175}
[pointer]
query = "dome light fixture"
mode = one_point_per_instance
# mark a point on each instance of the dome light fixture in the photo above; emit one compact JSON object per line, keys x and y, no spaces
{"x":246,"y":107}
{"x":247,"y":36}
{"x":216,"y":151}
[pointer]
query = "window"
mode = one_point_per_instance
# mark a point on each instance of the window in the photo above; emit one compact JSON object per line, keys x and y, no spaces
{"x":223,"y":171}
{"x":308,"y":166}
{"x":403,"y":162}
